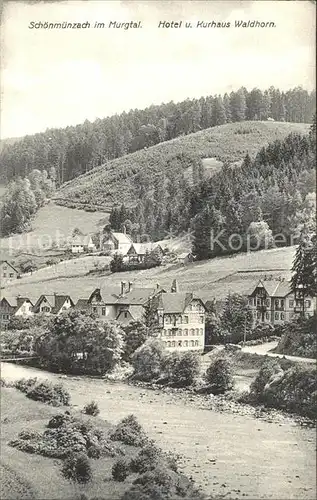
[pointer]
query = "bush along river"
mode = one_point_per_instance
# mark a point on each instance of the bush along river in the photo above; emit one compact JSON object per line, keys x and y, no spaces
{"x":229,"y":454}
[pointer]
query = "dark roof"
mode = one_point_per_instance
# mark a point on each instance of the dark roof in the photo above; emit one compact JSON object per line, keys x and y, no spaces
{"x":274,"y":288}
{"x":137,"y":296}
{"x":55,"y":301}
{"x":122,"y":318}
{"x":8,"y":263}
{"x":175,"y":302}
{"x":82,"y":304}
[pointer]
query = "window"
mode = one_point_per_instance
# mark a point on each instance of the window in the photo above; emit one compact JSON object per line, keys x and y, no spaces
{"x":197,"y":331}
{"x":4,"y":275}
{"x":11,"y":275}
{"x":125,"y":314}
{"x":291,"y":303}
{"x":173,"y":343}
{"x":94,"y":309}
{"x":192,"y":331}
{"x":277,"y":303}
{"x":45,"y":309}
{"x":258,"y":302}
{"x":276,"y":315}
{"x":190,"y":307}
{"x":186,"y":319}
{"x":179,"y":343}
{"x":192,"y":343}
{"x":164,"y":333}
{"x":251,"y":302}
{"x":308,"y":303}
{"x":282,"y":316}
{"x":196,"y":343}
{"x":103,"y":311}
{"x":186,"y":332}
{"x":168,"y":344}
{"x":185,"y":343}
{"x":258,"y":315}
{"x":267,"y":316}
{"x":268,"y":302}
{"x":201,"y":319}
{"x":282,"y":303}
{"x":167,"y":319}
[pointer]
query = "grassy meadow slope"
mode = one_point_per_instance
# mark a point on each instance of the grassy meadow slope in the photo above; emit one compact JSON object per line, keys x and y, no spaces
{"x":52,"y":223}
{"x":114,"y":182}
{"x":213,"y":278}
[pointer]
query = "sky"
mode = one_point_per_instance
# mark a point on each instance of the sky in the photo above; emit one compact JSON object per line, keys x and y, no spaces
{"x":55,"y":78}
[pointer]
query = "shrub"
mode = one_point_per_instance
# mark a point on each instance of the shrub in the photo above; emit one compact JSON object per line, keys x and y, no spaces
{"x":46,"y":392}
{"x":186,"y":369}
{"x":120,"y":470}
{"x":149,"y":457}
{"x":147,"y":360}
{"x":65,"y":435}
{"x":94,"y":451}
{"x":77,"y":468}
{"x":91,"y":409}
{"x":294,"y":390}
{"x":129,"y":431}
{"x":25,"y":384}
{"x":269,"y":369}
{"x":219,"y":376}
{"x":162,"y":484}
{"x":58,"y":420}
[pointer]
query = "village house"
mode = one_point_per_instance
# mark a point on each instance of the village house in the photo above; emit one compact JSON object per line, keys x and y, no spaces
{"x":14,"y":306}
{"x":53,"y":304}
{"x":185,"y":258}
{"x":7,"y":272}
{"x":180,"y":319}
{"x":123,"y":305}
{"x":82,"y":244}
{"x":116,"y":243}
{"x":138,"y":251}
{"x":273,"y":302}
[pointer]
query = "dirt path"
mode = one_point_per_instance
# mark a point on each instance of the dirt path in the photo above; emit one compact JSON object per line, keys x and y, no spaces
{"x":235,"y":455}
{"x":265,"y":349}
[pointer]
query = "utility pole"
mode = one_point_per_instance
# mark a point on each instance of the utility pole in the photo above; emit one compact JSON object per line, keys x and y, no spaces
{"x":245,"y":331}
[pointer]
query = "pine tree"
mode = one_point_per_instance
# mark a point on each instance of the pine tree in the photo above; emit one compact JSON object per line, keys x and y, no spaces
{"x":304,"y":279}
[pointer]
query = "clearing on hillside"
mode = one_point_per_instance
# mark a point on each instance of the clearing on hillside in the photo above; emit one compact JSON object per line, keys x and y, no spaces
{"x":213,"y":278}
{"x":117,"y":181}
{"x":53,"y":223}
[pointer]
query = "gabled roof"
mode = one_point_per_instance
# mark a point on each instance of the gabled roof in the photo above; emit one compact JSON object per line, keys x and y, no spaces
{"x":16,"y":301}
{"x":138,"y":296}
{"x":274,"y":288}
{"x":8,"y":263}
{"x":176,"y":302}
{"x":55,"y":301}
{"x":124,"y":317}
{"x":82,"y":304}
{"x":122,"y":238}
{"x":142,"y":248}
{"x":184,"y":255}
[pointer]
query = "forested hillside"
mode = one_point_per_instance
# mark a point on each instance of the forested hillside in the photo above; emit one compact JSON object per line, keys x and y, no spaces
{"x":78,"y":149}
{"x":270,"y":195}
{"x":129,"y":178}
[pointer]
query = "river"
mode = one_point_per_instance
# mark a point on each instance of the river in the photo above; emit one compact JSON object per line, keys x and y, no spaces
{"x":230,"y":454}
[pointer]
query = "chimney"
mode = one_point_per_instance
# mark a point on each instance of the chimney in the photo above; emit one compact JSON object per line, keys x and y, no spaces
{"x":130,"y":286}
{"x":123,"y":284}
{"x":175,"y":288}
{"x":157,"y":286}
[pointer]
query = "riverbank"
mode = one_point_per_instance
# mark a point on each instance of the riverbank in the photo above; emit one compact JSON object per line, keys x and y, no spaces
{"x":240,"y":456}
